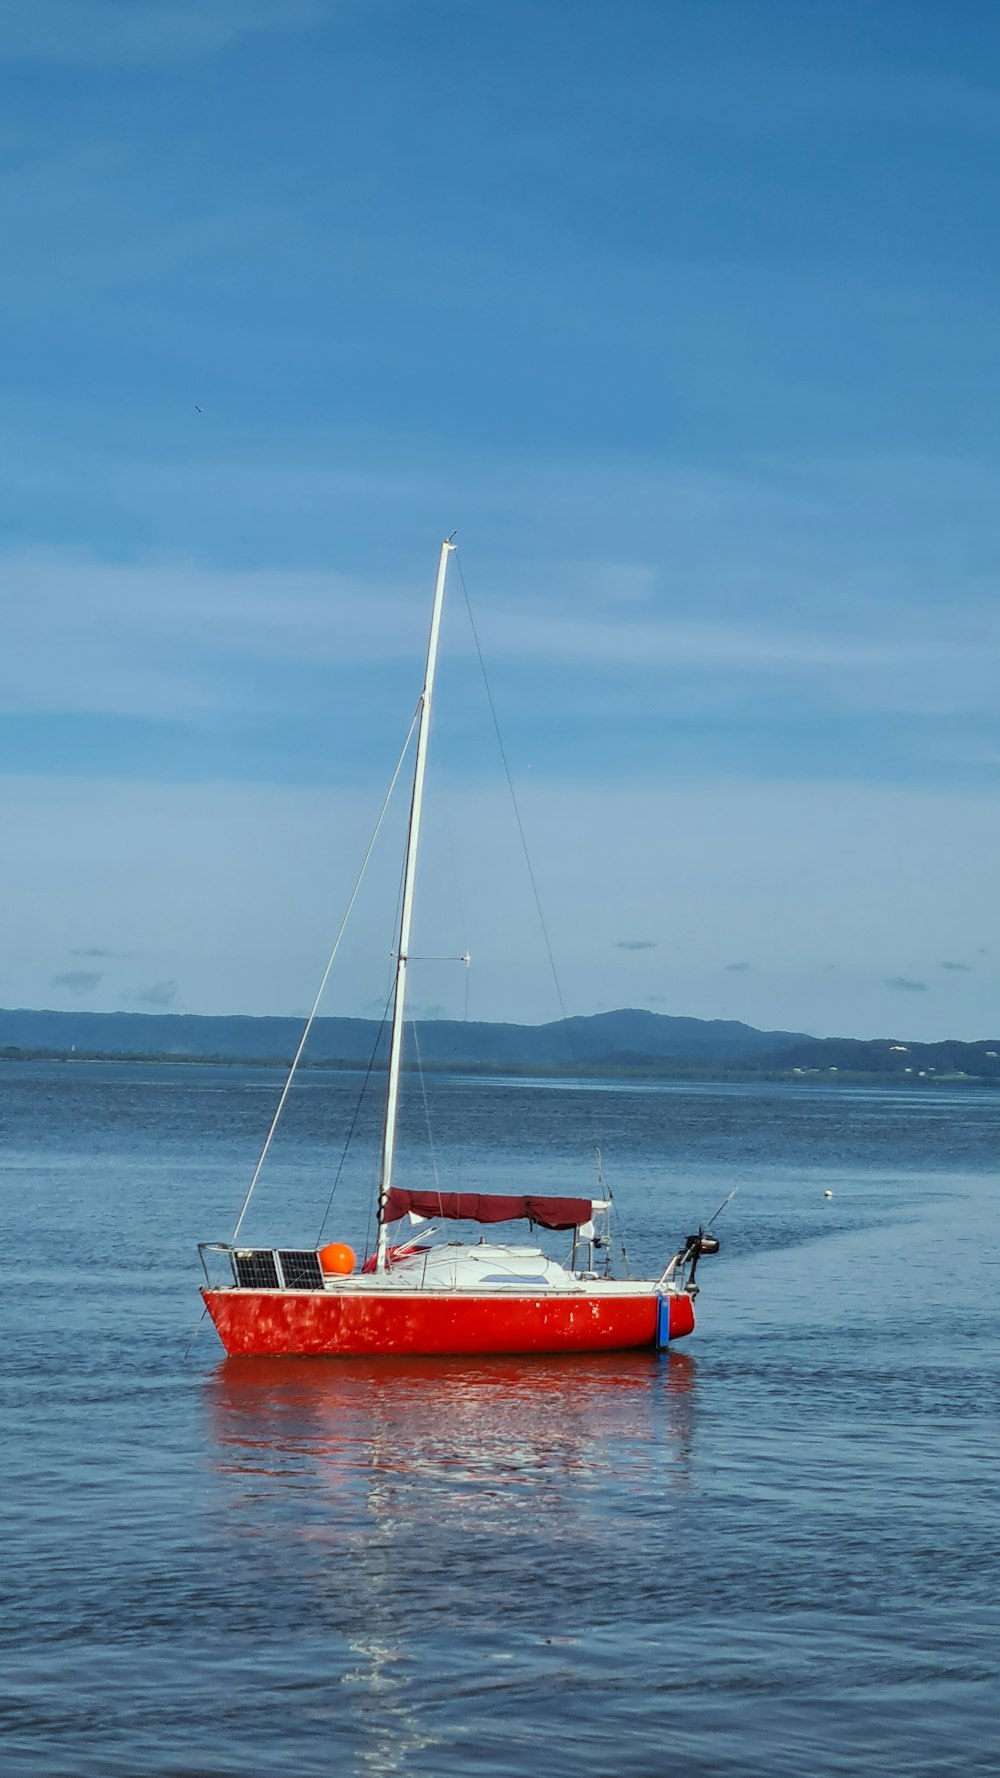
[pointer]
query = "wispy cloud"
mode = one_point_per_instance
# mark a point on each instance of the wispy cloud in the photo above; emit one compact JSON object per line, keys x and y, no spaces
{"x":110,"y":33}
{"x":137,"y":849}
{"x":93,"y":951}
{"x":78,"y":981}
{"x":181,"y":641}
{"x":966,"y":968}
{"x":902,"y":984}
{"x":158,"y":994}
{"x":737,"y":968}
{"x":635,"y":944}
{"x":178,"y":641}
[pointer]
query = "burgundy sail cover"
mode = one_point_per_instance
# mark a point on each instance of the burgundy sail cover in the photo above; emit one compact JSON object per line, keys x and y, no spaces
{"x":549,"y":1213}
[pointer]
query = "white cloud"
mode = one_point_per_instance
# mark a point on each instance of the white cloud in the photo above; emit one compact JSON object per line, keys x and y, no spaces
{"x":176,"y":641}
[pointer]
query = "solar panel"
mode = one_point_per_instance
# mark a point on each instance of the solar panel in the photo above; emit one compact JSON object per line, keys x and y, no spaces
{"x":255,"y":1269}
{"x":301,"y":1270}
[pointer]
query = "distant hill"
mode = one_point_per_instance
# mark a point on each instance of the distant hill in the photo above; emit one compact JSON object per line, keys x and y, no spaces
{"x":886,"y":1058}
{"x":606,"y":1037}
{"x":630,"y":1042}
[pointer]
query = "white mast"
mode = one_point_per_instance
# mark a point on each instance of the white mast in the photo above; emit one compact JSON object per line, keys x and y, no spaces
{"x":406,"y":914}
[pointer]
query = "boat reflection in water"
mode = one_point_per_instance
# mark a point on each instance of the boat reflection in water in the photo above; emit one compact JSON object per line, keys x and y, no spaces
{"x":442,"y":1505}
{"x":429,"y":1437}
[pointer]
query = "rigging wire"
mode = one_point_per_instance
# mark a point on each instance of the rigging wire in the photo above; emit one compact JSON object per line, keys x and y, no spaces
{"x":197,"y":1330}
{"x":463,"y":929}
{"x":427,"y":1113}
{"x":354,"y":1120}
{"x":372,"y":1195}
{"x":574,"y":1058}
{"x":517,"y":812}
{"x":326,"y":975}
{"x":389,"y":993}
{"x":463,"y":924}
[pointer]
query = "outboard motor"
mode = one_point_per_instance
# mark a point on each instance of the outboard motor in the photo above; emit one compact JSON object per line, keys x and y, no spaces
{"x":688,"y":1256}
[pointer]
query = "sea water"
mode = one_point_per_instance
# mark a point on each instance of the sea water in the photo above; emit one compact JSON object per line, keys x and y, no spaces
{"x":772,"y":1551}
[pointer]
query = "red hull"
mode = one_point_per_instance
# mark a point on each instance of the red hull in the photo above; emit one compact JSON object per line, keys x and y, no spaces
{"x":284,"y":1323}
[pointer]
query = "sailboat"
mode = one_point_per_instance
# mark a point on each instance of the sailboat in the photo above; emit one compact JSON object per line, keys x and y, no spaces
{"x":420,"y":1294}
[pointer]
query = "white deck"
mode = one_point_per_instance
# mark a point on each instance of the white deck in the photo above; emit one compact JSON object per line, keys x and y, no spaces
{"x":484,"y":1269}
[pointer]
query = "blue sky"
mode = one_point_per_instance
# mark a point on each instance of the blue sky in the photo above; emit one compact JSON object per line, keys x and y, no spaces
{"x":686,"y":316}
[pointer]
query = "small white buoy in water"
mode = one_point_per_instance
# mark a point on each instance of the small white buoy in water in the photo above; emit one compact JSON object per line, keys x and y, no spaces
{"x":828,"y":1194}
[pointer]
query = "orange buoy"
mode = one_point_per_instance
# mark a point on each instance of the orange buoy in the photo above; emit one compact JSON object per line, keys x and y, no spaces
{"x":337,"y":1257}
